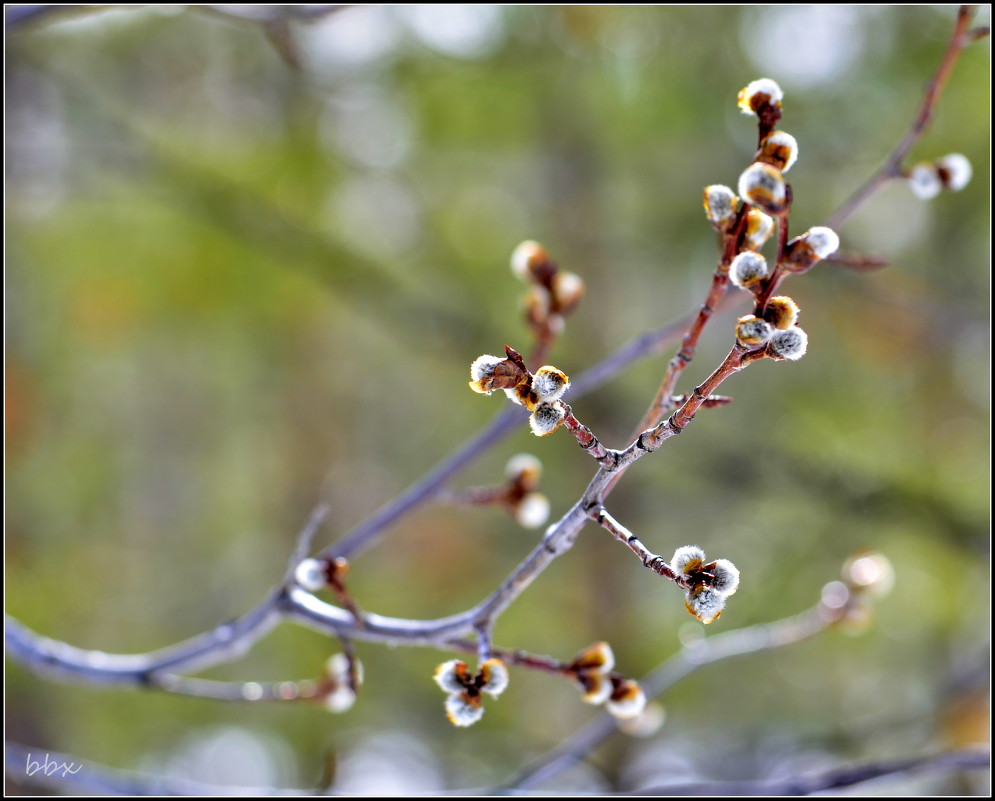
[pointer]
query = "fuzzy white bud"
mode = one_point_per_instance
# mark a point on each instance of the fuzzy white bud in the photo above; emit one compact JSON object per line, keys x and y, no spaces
{"x":568,"y":289}
{"x":758,"y":93}
{"x":762,"y":185}
{"x":533,"y":510}
{"x":311,"y":574}
{"x":523,"y":464}
{"x":495,"y":677}
{"x":759,"y":227}
{"x":597,"y":688}
{"x":705,"y":603}
{"x":483,"y":366}
{"x":955,"y":171}
{"x":549,"y":384}
{"x":627,"y":701}
{"x":924,"y":181}
{"x":525,"y":257}
{"x":337,"y":668}
{"x":726,"y":578}
{"x":451,"y":675}
{"x":752,"y":331}
{"x":340,"y":699}
{"x":781,"y":312}
{"x":463,"y":711}
{"x":720,"y":205}
{"x":547,"y":418}
{"x":747,"y":268}
{"x":790,"y":344}
{"x":687,"y":559}
{"x":780,"y":149}
{"x":823,"y":241}
{"x":598,"y":657}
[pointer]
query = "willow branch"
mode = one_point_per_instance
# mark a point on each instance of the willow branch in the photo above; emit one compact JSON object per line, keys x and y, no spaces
{"x":892,"y":167}
{"x":749,"y":640}
{"x":965,"y":759}
{"x":649,"y":559}
{"x":427,"y":488}
{"x":606,"y":457}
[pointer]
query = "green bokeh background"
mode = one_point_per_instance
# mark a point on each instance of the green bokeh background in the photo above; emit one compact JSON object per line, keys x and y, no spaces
{"x":236,"y":286}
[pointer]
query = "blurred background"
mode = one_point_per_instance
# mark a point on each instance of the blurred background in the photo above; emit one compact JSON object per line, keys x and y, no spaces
{"x":251,"y":252}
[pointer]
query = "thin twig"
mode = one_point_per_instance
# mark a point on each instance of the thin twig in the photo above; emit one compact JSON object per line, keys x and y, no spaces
{"x":892,"y":167}
{"x":964,"y":759}
{"x":651,"y":560}
{"x":717,"y":292}
{"x":504,"y":423}
{"x":588,"y":442}
{"x":753,"y":639}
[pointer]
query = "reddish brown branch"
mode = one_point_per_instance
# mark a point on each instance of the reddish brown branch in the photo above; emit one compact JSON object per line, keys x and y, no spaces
{"x":606,"y":457}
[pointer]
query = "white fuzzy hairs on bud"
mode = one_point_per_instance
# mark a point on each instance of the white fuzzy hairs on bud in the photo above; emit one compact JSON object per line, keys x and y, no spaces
{"x":549,"y":384}
{"x":759,"y":227}
{"x":462,"y":712}
{"x":626,"y":701}
{"x":747,"y":268}
{"x":924,"y":181}
{"x":483,"y":366}
{"x":757,"y":89}
{"x":523,"y":463}
{"x":495,"y":677}
{"x":720,"y":205}
{"x":823,"y":241}
{"x":533,"y":510}
{"x":790,"y":344}
{"x":687,"y":559}
{"x":547,"y":418}
{"x":781,"y":148}
{"x":523,"y":257}
{"x":705,"y":603}
{"x":450,"y":675}
{"x":726,"y":576}
{"x":762,"y":185}
{"x":955,"y":171}
{"x":752,"y":331}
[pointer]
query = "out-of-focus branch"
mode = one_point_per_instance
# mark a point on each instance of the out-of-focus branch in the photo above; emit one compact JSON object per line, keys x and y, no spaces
{"x":965,"y":759}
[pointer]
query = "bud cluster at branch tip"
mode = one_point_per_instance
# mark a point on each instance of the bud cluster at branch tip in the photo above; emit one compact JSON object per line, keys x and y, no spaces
{"x":529,"y":507}
{"x":592,"y":668}
{"x":552,"y":294}
{"x":867,"y":576}
{"x":343,"y":676}
{"x":803,"y":252}
{"x":711,"y":583}
{"x":464,"y":705}
{"x":759,"y":95}
{"x":539,"y":393}
{"x":952,"y":172}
